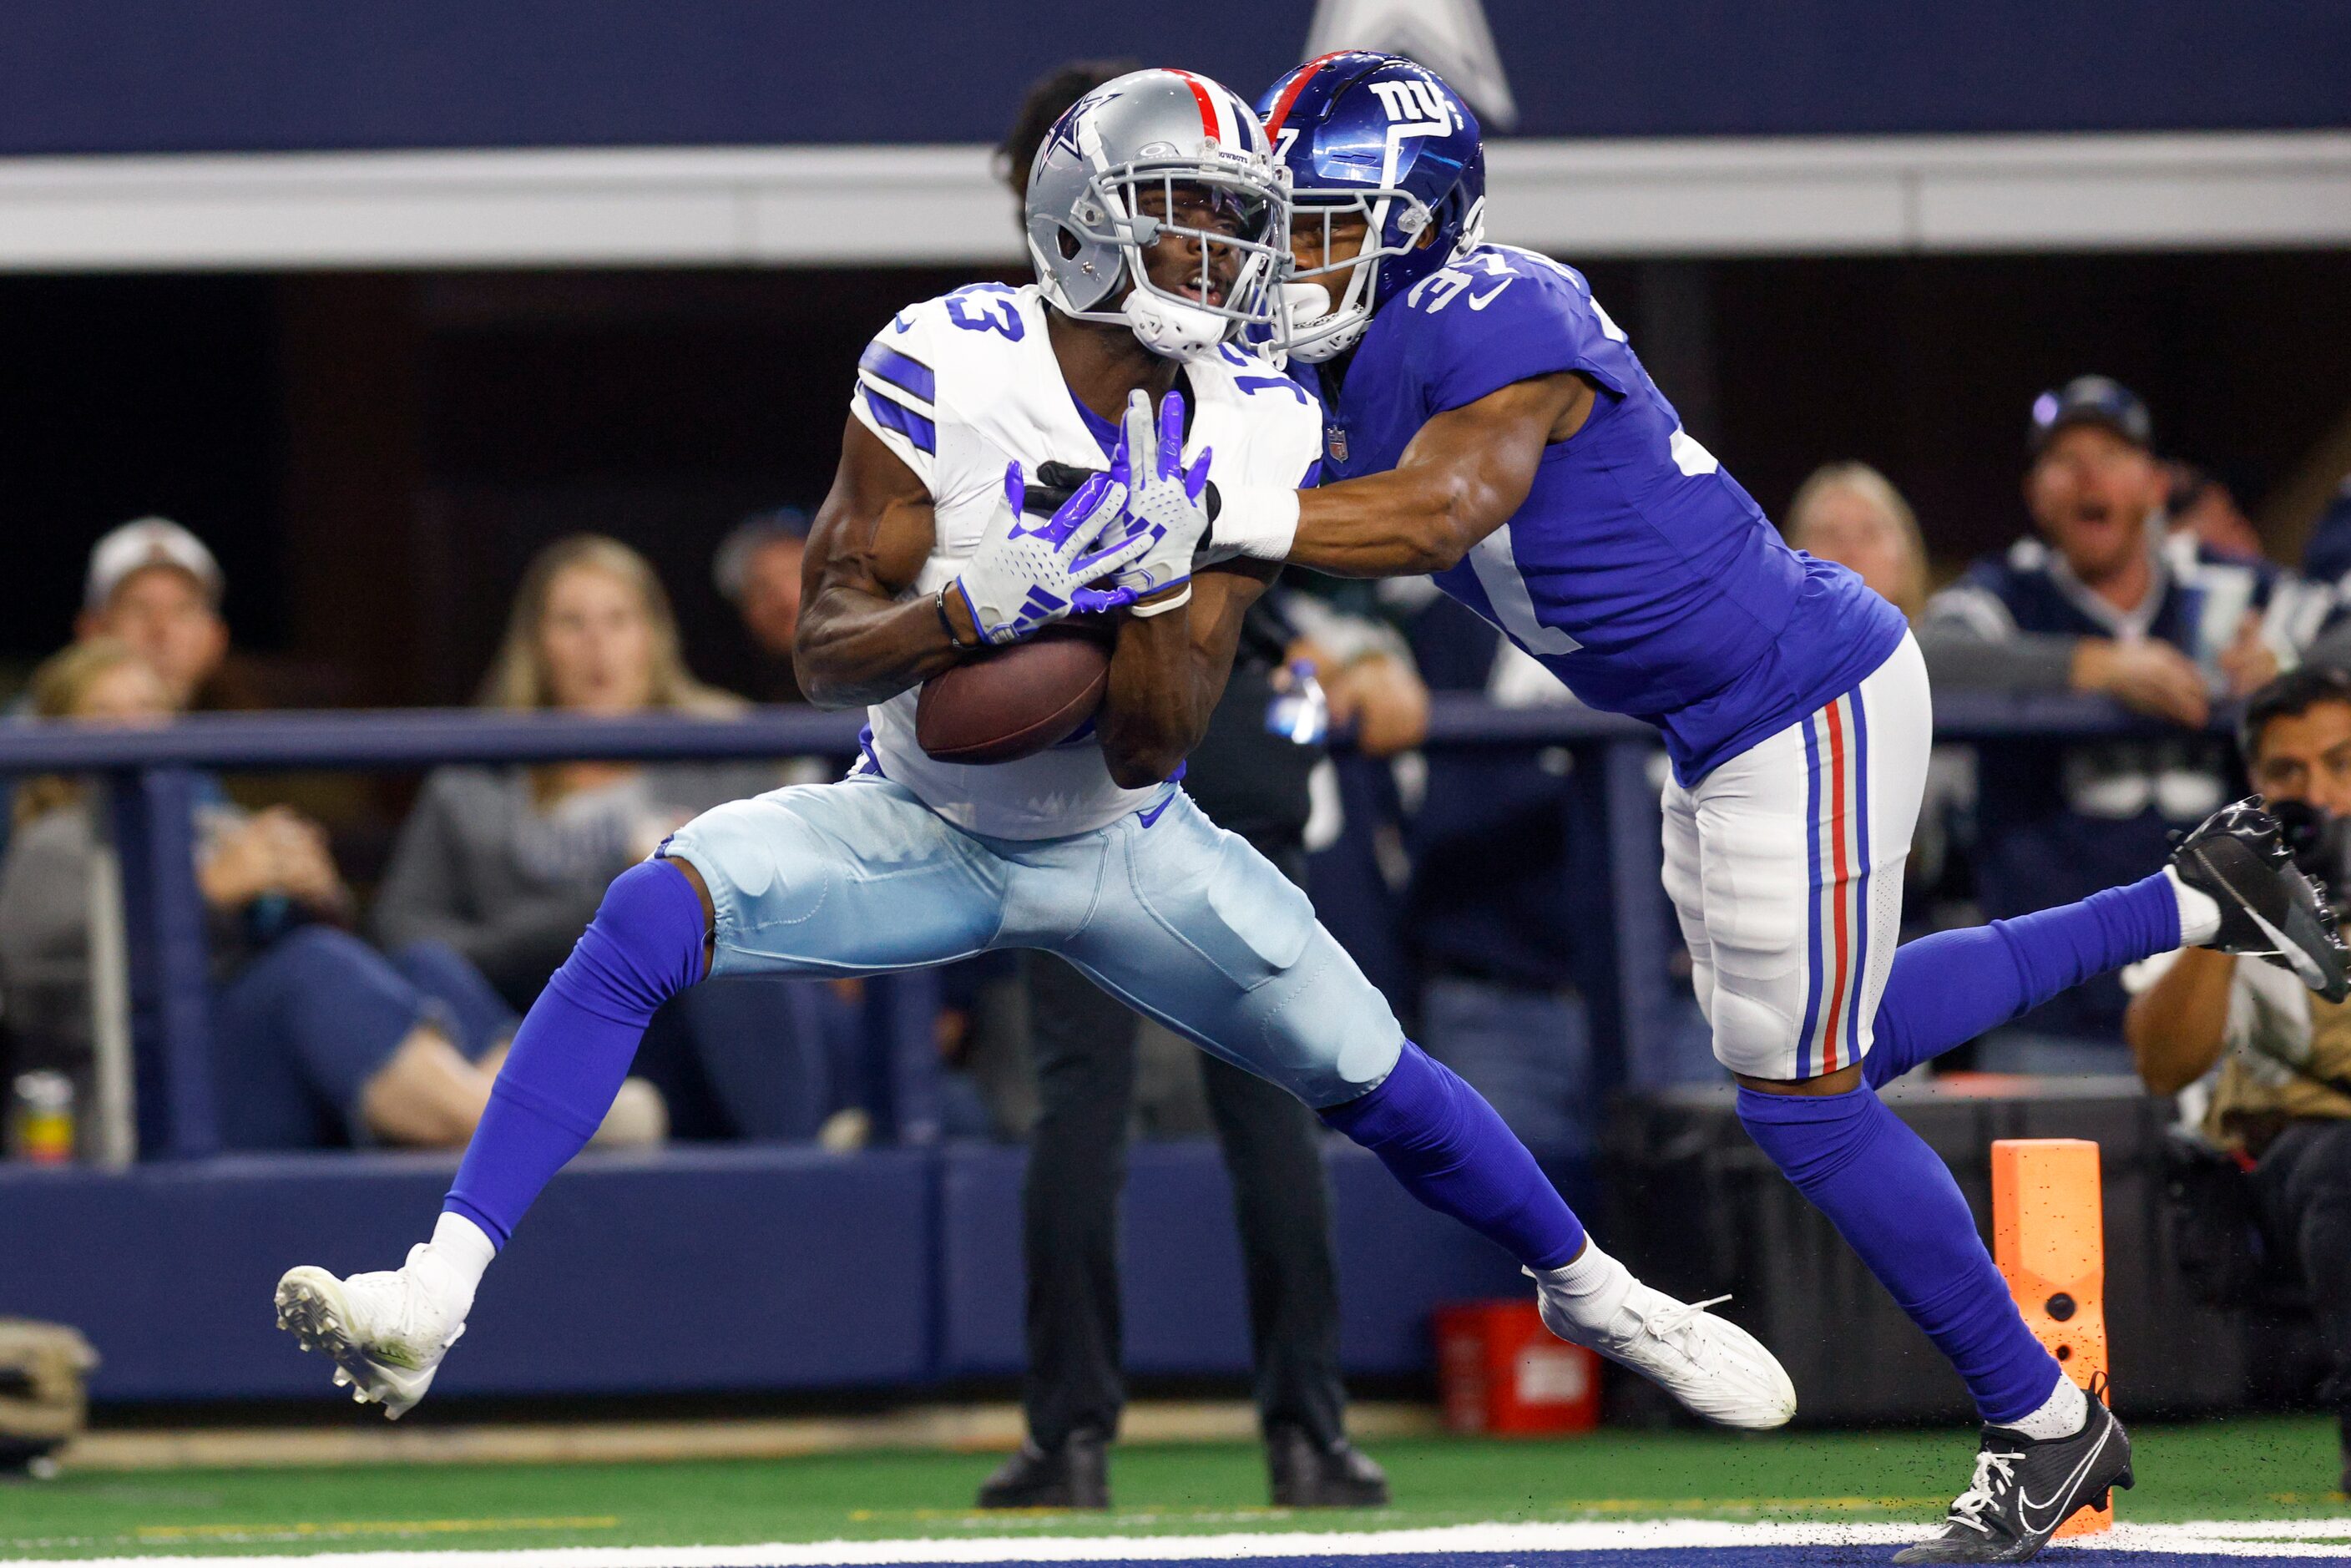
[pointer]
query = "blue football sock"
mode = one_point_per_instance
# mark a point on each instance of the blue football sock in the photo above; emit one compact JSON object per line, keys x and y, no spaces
{"x":1452,"y":1151}
{"x":1896,"y":1206}
{"x":575,"y":1045}
{"x":1948,"y":989}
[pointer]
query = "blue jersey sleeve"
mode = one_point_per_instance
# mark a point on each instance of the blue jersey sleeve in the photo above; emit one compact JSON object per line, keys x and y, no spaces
{"x":1499,"y":316}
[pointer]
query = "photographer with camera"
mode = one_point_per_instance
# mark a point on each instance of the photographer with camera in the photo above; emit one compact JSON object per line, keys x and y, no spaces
{"x":2281,"y":1099}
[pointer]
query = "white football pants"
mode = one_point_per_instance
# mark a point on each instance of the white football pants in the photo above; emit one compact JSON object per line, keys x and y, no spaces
{"x":1785,"y":868}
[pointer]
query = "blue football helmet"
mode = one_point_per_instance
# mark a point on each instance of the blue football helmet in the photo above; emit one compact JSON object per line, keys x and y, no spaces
{"x":1381,"y":137}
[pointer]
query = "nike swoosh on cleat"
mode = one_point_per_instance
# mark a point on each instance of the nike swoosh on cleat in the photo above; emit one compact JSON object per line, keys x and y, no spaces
{"x":2025,"y":1505}
{"x":2305,"y":967}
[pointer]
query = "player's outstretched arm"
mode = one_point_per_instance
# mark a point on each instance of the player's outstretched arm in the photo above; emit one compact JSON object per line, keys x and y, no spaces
{"x":1168,"y":672}
{"x":859,"y":642}
{"x":1466,"y":471}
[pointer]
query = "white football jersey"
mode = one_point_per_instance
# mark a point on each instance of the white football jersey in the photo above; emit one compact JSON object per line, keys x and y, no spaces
{"x":962,"y":385}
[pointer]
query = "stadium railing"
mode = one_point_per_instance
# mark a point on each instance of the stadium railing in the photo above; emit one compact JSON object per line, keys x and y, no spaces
{"x":153,"y":774}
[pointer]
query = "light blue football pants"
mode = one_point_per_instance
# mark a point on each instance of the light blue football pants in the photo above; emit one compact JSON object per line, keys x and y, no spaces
{"x":1181,"y":920}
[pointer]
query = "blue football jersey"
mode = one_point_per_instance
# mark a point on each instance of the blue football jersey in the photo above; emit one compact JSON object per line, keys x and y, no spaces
{"x":1637,"y":570}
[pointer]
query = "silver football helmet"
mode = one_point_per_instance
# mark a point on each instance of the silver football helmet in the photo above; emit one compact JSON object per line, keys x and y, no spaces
{"x":1150,"y":155}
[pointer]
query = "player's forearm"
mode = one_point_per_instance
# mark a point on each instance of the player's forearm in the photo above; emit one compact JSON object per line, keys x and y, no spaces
{"x":1398,"y":524}
{"x":1162,"y":689}
{"x":2178,"y":1026}
{"x":856,"y":648}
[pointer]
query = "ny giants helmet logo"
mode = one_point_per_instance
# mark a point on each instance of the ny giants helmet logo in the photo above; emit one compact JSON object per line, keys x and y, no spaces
{"x":1416,"y":98}
{"x":1414,"y":108}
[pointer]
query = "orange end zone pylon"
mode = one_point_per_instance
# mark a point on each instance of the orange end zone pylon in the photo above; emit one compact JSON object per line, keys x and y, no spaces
{"x":2048,"y":1227}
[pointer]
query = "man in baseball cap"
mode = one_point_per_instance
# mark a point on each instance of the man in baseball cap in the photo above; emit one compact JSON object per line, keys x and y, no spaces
{"x":2099,"y":597}
{"x":153,"y":584}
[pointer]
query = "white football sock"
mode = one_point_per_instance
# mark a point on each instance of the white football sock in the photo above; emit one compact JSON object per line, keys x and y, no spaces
{"x":1590,"y":1288}
{"x":2060,"y":1416}
{"x":2199,"y":917}
{"x":451,"y":1264}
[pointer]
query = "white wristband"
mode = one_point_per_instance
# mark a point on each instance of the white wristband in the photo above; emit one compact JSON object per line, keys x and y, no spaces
{"x":1255,"y":519}
{"x":1162,"y":606}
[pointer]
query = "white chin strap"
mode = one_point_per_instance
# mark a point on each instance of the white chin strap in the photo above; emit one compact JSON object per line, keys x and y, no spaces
{"x":1173,"y":328}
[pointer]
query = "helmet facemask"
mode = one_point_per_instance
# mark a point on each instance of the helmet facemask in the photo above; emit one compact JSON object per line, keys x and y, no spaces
{"x":1322,"y":313}
{"x":1234,"y":215}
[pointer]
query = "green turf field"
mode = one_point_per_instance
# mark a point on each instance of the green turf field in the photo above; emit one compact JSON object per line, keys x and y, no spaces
{"x":2280,"y":1468}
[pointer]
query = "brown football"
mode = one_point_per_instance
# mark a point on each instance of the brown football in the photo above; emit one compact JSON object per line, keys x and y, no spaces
{"x":1015,"y":701}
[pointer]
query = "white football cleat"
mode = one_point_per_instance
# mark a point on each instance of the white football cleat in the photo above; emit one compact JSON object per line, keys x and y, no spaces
{"x":386,"y":1331}
{"x":1711,"y":1364}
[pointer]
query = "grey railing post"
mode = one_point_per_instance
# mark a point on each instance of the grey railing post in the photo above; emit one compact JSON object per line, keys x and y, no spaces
{"x":154,"y":833}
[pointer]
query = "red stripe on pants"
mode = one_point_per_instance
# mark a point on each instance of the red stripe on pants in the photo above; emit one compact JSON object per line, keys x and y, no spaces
{"x":1836,"y":826}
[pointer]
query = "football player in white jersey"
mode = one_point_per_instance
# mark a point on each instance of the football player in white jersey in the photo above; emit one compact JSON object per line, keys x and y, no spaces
{"x":1156,"y":220}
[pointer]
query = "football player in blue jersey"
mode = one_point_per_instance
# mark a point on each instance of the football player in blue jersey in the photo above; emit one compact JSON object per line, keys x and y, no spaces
{"x":1490,"y":425}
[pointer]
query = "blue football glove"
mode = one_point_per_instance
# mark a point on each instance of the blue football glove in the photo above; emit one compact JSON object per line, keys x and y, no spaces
{"x":1023,"y":577}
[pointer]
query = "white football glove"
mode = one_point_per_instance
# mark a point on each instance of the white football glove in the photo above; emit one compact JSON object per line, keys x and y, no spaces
{"x":1164,"y":504}
{"x":1022,"y":578}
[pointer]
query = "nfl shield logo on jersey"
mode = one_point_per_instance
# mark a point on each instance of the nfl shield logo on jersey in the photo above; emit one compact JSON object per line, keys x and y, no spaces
{"x":1334,"y":441}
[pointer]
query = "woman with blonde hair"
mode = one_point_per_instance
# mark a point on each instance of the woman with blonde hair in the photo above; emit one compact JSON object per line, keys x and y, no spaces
{"x":508,"y":864}
{"x":591,"y":630}
{"x":1852,"y":514}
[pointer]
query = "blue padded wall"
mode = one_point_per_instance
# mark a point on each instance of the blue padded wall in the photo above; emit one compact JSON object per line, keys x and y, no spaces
{"x":727,"y":1269}
{"x":738,"y":1268}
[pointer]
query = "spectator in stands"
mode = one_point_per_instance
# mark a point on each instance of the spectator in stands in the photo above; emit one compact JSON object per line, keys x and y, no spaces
{"x":508,"y":864}
{"x":1851,"y":514}
{"x":2102,"y":599}
{"x":317,"y":1039}
{"x":2270,"y":1064}
{"x":2198,"y":504}
{"x":153,"y":584}
{"x":758,"y":571}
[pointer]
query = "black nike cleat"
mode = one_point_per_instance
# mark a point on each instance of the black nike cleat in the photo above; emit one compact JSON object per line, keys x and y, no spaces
{"x":2270,"y":908}
{"x":2023,"y":1490}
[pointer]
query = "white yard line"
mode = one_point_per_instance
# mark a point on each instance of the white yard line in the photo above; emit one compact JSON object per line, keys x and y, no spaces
{"x":2315,"y":1539}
